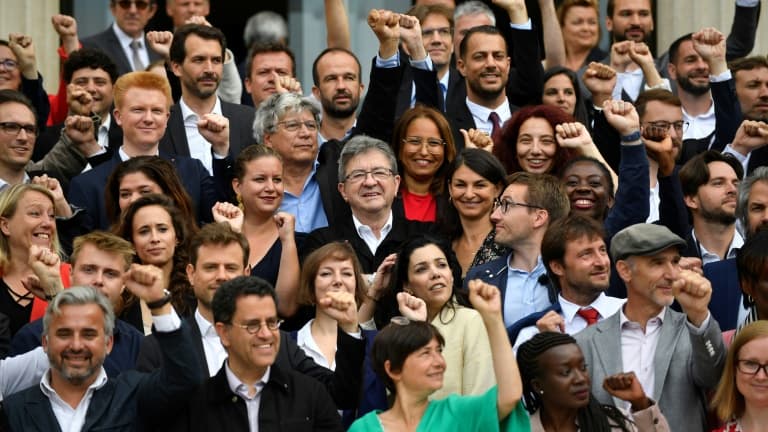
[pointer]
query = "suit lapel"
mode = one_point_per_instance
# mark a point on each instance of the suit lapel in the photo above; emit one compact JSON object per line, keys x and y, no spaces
{"x":117,"y":50}
{"x":36,"y":404}
{"x":175,"y":140}
{"x":606,"y":347}
{"x":671,"y":329}
{"x":100,"y":402}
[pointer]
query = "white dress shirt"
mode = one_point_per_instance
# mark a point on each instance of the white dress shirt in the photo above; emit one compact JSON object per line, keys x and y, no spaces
{"x":215,"y":354}
{"x":199,"y":147}
{"x":306,"y":342}
{"x":71,"y":419}
{"x":708,"y":257}
{"x":252,"y":399}
{"x":125,"y":44}
{"x":638,"y":349}
{"x":480,"y":115}
{"x":366,"y":233}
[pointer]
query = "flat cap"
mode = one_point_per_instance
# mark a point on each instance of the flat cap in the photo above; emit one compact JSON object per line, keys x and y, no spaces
{"x":643,"y":239}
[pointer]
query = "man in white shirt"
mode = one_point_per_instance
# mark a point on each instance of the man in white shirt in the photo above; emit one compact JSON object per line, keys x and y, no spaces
{"x":577,"y":262}
{"x":675,"y":356}
{"x":76,"y":394}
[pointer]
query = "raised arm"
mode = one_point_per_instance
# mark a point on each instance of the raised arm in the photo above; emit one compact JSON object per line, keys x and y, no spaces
{"x":554,"y":47}
{"x":337,"y":24}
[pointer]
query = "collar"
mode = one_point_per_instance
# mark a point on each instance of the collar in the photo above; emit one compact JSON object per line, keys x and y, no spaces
{"x":736,"y":243}
{"x":707,"y":115}
{"x":124,"y":156}
{"x":444,"y":80}
{"x":188,"y":114}
{"x":206,"y":328}
{"x":48,"y":390}
{"x":238,"y":387}
{"x":624,"y":320}
{"x":4,"y":183}
{"x":483,"y":112}
{"x":106,"y":121}
{"x":601,"y":305}
{"x":537,"y":270}
{"x":125,"y":40}
{"x":359,"y":225}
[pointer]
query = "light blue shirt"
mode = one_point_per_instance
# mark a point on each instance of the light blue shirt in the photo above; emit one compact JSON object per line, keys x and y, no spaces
{"x":307,"y":208}
{"x":524,"y":294}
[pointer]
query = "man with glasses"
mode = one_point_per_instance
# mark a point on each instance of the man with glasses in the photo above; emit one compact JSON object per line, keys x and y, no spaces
{"x":125,"y":41}
{"x":219,"y":254}
{"x":253,"y":390}
{"x":527,"y":207}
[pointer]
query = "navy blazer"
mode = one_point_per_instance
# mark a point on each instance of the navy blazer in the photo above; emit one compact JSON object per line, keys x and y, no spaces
{"x":108,"y":42}
{"x":133,"y":401}
{"x":726,"y":298}
{"x":87,"y":189}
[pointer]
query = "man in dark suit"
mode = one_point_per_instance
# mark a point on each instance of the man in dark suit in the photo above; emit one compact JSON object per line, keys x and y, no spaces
{"x":125,"y":41}
{"x":197,"y":59}
{"x":253,"y":391}
{"x":218,"y":254}
{"x":527,"y":207}
{"x":142,"y":103}
{"x":78,"y":334}
{"x":676,"y":356}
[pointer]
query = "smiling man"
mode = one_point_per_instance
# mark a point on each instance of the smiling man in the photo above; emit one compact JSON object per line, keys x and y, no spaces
{"x":252,"y":391}
{"x":676,"y":356}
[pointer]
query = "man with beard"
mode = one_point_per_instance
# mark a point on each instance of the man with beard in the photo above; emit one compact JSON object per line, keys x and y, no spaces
{"x":710,"y":181}
{"x":691,"y":75}
{"x":197,"y":58}
{"x":336,"y":77}
{"x":75,"y":394}
{"x":577,"y":262}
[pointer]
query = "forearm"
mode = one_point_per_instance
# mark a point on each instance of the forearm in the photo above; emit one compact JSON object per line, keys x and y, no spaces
{"x":287,"y":283}
{"x":510,"y":387}
{"x":337,"y":24}
{"x":554,"y":46}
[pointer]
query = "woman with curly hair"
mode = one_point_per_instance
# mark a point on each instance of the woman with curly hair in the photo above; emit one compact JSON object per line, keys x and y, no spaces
{"x":160,"y":235}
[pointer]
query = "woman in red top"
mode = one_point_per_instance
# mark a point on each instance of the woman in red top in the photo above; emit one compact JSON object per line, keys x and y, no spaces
{"x":425,"y":149}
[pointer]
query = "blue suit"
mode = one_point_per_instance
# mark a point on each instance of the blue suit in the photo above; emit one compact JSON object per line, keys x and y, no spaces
{"x":726,"y":292}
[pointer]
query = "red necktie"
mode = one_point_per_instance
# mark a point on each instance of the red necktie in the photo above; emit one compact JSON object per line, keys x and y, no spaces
{"x":589,"y":314}
{"x":496,"y":129}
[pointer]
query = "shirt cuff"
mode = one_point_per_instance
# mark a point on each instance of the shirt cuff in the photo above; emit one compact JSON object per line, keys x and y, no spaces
{"x":664,"y":84}
{"x":166,"y":323}
{"x":725,"y":76}
{"x":424,"y":64}
{"x":744,"y":160}
{"x":391,"y":62}
{"x":698,"y":331}
{"x":218,"y":156}
{"x":524,"y":26}
{"x":357,"y":335}
{"x":747,"y":3}
{"x":368,"y":325}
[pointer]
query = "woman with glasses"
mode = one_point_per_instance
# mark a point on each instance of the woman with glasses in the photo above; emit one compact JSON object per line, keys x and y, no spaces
{"x":741,"y":398}
{"x":18,"y":72}
{"x":424,"y":147}
{"x":475,"y":178}
{"x":408,"y":357}
{"x":259,"y":187}
{"x":556,"y":391}
{"x":160,"y":236}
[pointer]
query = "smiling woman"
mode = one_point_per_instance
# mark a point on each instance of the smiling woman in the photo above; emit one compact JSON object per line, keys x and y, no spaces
{"x":26,"y":219}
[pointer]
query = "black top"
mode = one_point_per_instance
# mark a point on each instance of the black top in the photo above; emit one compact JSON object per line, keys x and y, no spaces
{"x":17,"y":314}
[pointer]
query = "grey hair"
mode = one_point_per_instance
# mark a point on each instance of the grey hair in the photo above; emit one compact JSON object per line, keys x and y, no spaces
{"x":265,"y":27}
{"x":275,"y":107}
{"x":745,"y":187}
{"x":473,"y":7}
{"x":360,"y":144}
{"x":78,"y":296}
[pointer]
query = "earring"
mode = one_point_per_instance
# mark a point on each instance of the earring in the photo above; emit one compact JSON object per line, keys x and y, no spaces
{"x":541,"y":391}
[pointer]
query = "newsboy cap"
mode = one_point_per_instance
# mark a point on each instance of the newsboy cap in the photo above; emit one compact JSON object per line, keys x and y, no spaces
{"x":643,"y":239}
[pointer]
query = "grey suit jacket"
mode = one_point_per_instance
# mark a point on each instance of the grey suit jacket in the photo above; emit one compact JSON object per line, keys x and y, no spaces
{"x":686,"y":365}
{"x":108,"y":42}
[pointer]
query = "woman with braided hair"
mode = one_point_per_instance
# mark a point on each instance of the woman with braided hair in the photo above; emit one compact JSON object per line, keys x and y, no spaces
{"x":556,"y":391}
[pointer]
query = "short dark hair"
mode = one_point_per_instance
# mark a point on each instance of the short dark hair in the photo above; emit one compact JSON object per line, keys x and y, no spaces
{"x":13,"y":96}
{"x":395,"y":342}
{"x":544,"y":191}
{"x":316,"y":74}
{"x":220,"y":234}
{"x":484,"y":29}
{"x":560,"y":234}
{"x":261,"y":48}
{"x":695,"y":173}
{"x":660,"y":95}
{"x":675,"y":47}
{"x":224,"y":301}
{"x":610,"y":7}
{"x":748,"y":63}
{"x":90,"y":58}
{"x":178,"y":50}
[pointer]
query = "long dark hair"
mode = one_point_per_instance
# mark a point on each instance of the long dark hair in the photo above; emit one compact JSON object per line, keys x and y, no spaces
{"x":595,"y":417}
{"x":580,"y":112}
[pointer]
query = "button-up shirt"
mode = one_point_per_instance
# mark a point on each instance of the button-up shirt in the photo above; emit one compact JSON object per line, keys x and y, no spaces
{"x":480,"y":115}
{"x":708,"y":257}
{"x":638,"y":348}
{"x":125,"y":44}
{"x":215,"y":354}
{"x":525,"y":294}
{"x":366,"y":233}
{"x":306,"y":342}
{"x":252,"y":399}
{"x":199,"y":147}
{"x":700,"y":126}
{"x":71,"y":419}
{"x":307,"y":208}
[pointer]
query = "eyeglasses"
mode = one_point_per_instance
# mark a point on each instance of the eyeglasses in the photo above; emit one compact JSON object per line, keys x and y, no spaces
{"x":9,"y":64}
{"x":126,"y":4}
{"x":434,"y":145}
{"x":441,"y":31}
{"x":750,"y":367}
{"x":12,"y":128}
{"x":506,"y":203}
{"x":680,"y":126}
{"x":254,"y":327}
{"x":378,"y":174}
{"x":294,"y":125}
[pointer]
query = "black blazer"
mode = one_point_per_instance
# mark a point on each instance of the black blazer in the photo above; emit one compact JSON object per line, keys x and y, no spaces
{"x":174,"y":142}
{"x":290,"y":402}
{"x":108,"y":42}
{"x":343,"y":385}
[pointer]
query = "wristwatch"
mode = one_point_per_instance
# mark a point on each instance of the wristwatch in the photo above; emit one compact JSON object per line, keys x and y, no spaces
{"x":161,"y":302}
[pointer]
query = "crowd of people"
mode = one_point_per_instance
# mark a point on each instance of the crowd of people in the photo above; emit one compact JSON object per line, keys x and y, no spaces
{"x":507,"y":228}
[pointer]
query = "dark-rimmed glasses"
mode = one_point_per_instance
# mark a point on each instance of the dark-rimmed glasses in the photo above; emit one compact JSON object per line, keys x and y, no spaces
{"x":751,"y":367}
{"x":254,"y":327}
{"x":506,"y":203}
